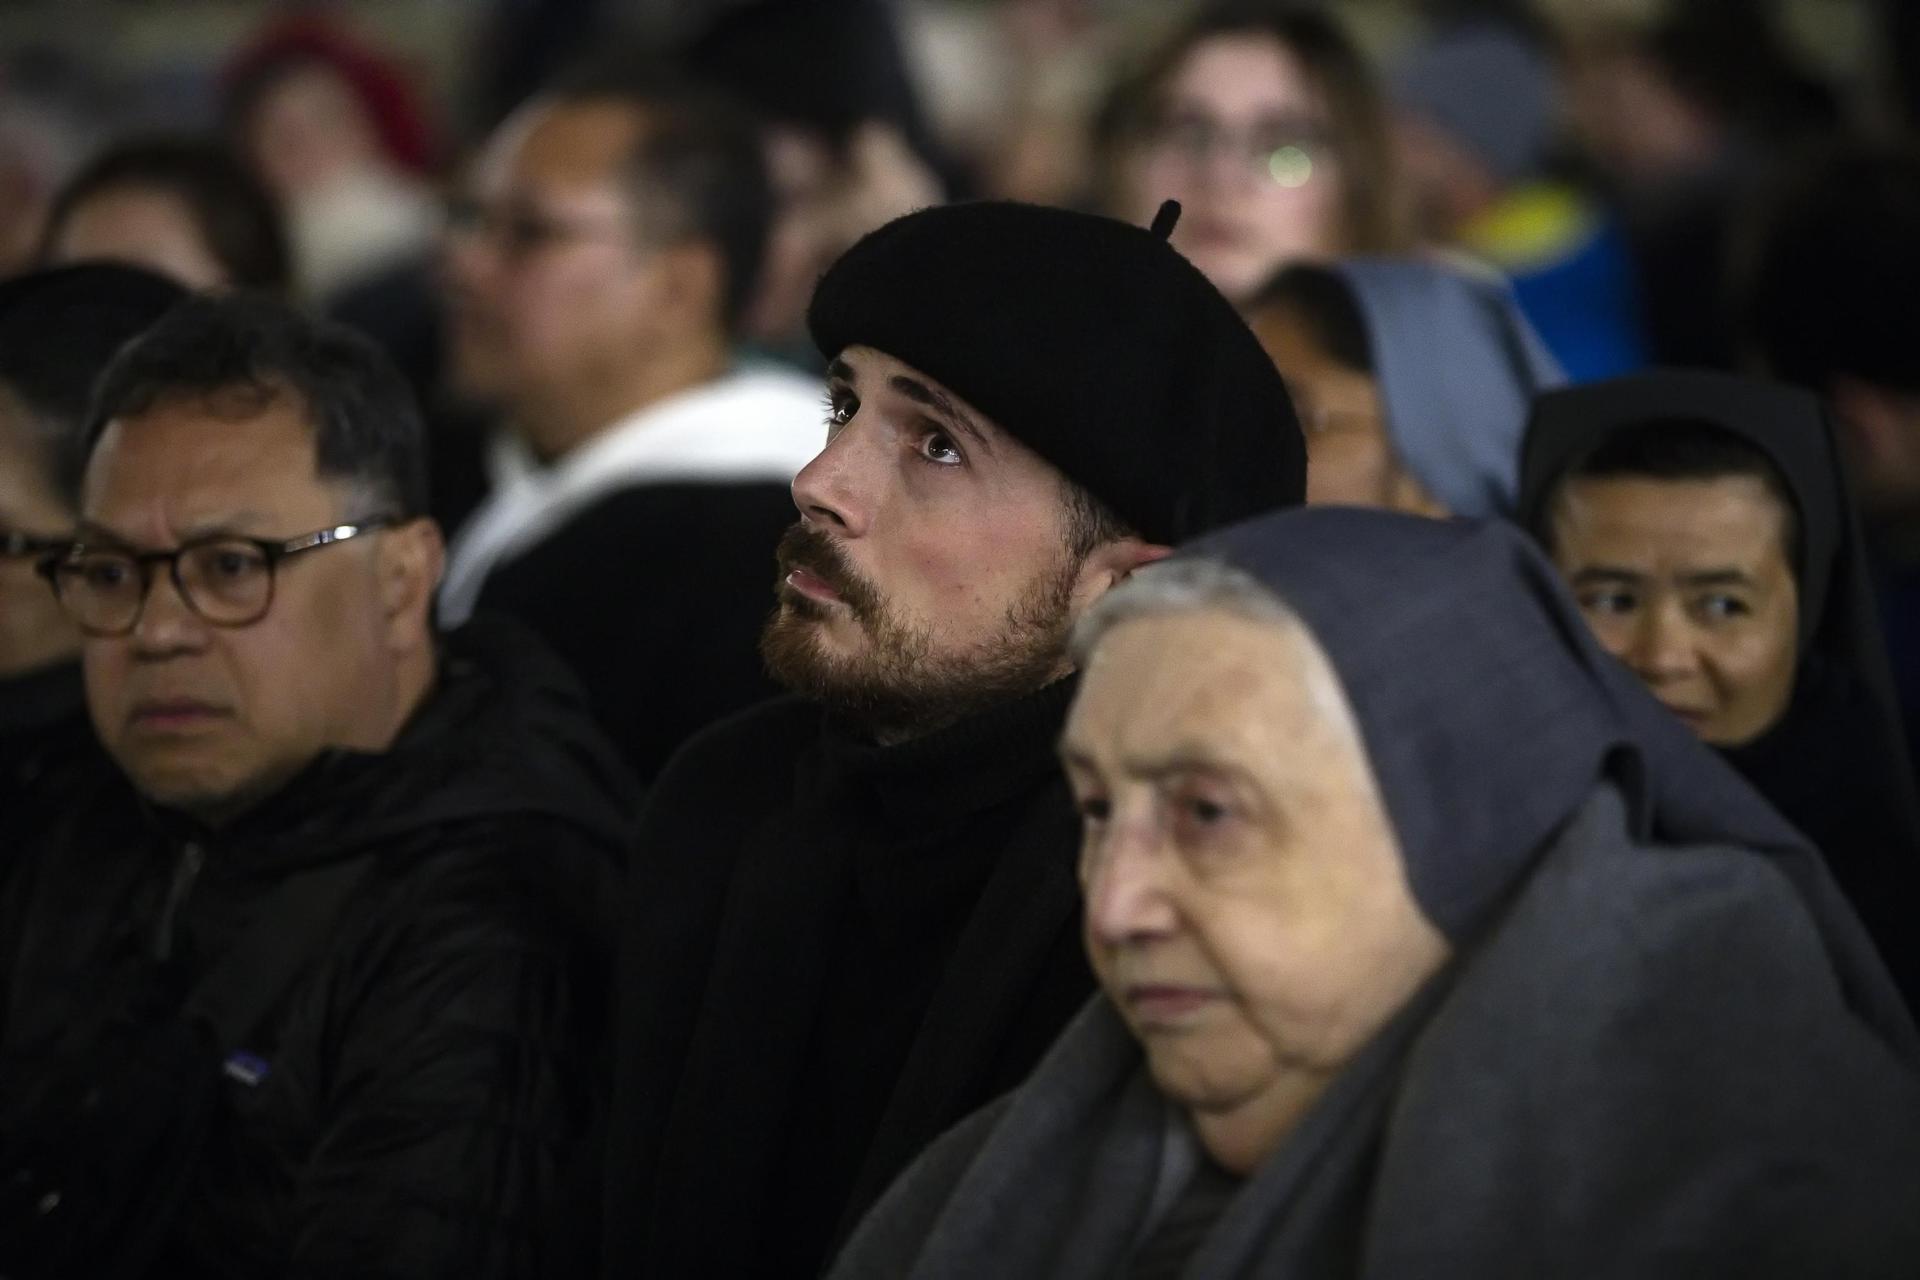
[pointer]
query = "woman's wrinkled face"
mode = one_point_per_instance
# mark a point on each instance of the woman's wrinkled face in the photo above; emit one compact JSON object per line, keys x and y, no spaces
{"x":1243,"y":141}
{"x":1247,"y":910}
{"x":1688,"y":583}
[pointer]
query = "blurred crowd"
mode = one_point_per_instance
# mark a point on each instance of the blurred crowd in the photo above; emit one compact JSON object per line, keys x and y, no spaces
{"x":753,"y":430}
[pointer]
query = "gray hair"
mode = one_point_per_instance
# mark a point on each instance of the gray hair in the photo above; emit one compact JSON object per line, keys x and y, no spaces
{"x":1181,"y":585}
{"x":1193,"y":585}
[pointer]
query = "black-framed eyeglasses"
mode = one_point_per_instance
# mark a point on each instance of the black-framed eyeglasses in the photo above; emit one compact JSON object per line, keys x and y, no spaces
{"x":224,"y":578}
{"x":15,"y":545}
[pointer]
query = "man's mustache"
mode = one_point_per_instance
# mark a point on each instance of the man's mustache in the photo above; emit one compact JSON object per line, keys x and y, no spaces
{"x":805,"y":547}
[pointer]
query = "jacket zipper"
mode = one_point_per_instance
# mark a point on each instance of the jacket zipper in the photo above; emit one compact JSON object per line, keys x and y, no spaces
{"x":192,"y":857}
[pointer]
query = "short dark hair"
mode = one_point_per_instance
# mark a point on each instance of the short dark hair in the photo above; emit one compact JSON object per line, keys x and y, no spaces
{"x":1682,"y":449}
{"x":1323,"y":300}
{"x":1091,"y":523}
{"x":58,"y":329}
{"x":236,"y":216}
{"x":699,"y":170}
{"x":366,"y":426}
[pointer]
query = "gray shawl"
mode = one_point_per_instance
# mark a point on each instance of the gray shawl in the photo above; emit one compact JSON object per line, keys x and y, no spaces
{"x":1458,"y":367}
{"x":1645,"y":1069}
{"x":1665,"y":1045}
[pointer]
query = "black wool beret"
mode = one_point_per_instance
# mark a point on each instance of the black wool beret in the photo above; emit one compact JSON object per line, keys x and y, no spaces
{"x":1091,"y":341}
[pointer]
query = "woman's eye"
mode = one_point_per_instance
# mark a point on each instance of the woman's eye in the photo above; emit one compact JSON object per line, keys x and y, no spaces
{"x":1206,"y":812}
{"x":939,"y":448}
{"x":1095,"y":809}
{"x":840,"y":410}
{"x":1720,"y":608}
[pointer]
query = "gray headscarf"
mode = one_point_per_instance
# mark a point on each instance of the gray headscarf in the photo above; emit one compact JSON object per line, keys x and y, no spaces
{"x":1458,"y":367}
{"x":1664,"y":1045}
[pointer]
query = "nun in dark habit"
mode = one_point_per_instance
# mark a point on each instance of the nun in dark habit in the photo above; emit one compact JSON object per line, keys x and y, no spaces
{"x":1412,"y":380}
{"x":1473,"y":966}
{"x":1705,"y":526}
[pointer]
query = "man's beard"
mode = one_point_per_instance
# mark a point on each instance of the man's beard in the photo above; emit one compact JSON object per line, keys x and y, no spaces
{"x":903,"y":686}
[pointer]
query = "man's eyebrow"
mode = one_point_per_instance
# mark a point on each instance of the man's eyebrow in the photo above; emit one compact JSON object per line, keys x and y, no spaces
{"x":235,"y":524}
{"x":1715,"y":578}
{"x":942,"y":404}
{"x":1608,"y":573}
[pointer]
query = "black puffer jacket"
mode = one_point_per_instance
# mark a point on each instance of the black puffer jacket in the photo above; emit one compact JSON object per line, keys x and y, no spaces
{"x":434,"y":1073}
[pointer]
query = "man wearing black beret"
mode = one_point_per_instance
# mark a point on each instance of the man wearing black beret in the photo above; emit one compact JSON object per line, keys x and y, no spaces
{"x":854,"y":915}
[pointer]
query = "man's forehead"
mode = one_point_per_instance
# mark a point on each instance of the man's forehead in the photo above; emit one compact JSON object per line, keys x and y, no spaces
{"x":583,"y":143}
{"x":203,"y":461}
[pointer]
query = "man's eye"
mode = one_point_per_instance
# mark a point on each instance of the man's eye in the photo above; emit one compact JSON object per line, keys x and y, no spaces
{"x":104,"y":572}
{"x":840,"y":410}
{"x":938,"y":448}
{"x":1095,"y":809}
{"x":1206,"y":812}
{"x":1608,"y":602}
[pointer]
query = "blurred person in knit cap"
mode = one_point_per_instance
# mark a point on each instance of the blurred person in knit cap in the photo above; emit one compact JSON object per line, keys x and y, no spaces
{"x":336,"y":131}
{"x":58,"y":330}
{"x":853,"y":913}
{"x":1475,"y":116}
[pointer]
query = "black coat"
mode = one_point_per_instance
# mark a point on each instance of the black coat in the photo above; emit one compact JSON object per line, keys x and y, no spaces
{"x":434,"y":1070}
{"x":834,"y":951}
{"x":655,"y":596}
{"x":46,"y":745}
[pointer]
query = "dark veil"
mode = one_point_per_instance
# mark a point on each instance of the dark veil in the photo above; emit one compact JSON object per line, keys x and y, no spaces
{"x":1836,"y":764}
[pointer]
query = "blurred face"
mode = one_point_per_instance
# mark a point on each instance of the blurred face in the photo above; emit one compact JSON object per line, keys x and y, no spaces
{"x":1243,"y":143}
{"x":33,"y":630}
{"x":142,"y":226}
{"x":1688,"y":583}
{"x":1350,"y":457}
{"x":209,"y":719}
{"x":308,"y":130}
{"x":550,"y":286}
{"x":930,"y":573}
{"x":1247,"y":910}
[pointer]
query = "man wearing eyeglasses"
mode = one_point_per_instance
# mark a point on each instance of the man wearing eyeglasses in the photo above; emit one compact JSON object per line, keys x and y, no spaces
{"x":253,"y":579}
{"x":58,"y":329}
{"x":598,"y":272}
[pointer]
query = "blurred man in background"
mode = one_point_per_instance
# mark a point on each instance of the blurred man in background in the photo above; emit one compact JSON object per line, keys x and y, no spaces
{"x":598,"y":274}
{"x":58,"y":330}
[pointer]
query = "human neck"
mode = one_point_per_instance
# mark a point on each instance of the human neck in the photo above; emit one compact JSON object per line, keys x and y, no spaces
{"x":1241,"y":1137}
{"x":558,"y":422}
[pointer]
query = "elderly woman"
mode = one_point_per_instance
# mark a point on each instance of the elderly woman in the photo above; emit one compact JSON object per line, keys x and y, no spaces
{"x":1471,"y":965}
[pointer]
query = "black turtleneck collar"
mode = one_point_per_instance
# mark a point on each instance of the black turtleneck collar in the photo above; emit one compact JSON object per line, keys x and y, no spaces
{"x":961,"y":769}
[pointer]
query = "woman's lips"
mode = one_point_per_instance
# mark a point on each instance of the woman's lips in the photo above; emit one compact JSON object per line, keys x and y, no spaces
{"x":1163,"y":1003}
{"x":172,"y":714}
{"x":812,"y":586}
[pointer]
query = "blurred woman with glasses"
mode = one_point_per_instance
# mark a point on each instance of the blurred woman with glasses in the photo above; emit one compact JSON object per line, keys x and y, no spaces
{"x":1266,"y":125}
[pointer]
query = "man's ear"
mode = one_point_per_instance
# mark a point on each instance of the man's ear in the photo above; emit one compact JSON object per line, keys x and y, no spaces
{"x":690,"y":283}
{"x":1109,"y":565}
{"x":412,"y":557}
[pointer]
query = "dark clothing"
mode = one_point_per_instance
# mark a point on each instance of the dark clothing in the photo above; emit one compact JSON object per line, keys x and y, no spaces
{"x":432,"y":1075}
{"x":1661,"y":1044}
{"x":835,"y":951}
{"x":46,"y":743}
{"x":1836,"y":763}
{"x":655,"y":597}
{"x":1642,"y":1070}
